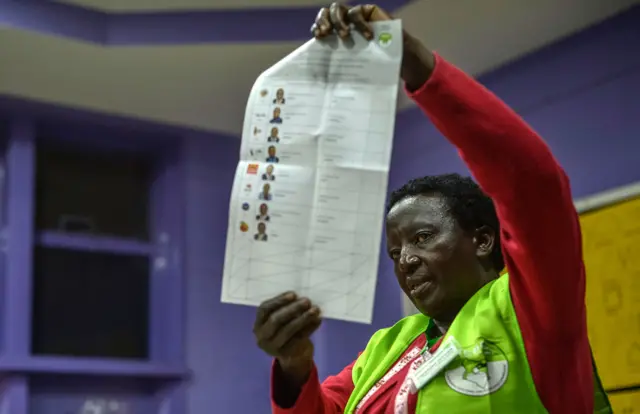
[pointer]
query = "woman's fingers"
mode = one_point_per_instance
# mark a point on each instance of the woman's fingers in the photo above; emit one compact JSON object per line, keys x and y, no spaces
{"x":338,"y":15}
{"x":339,"y":19}
{"x":373,"y":13}
{"x":303,"y":324}
{"x":358,"y":18}
{"x":322,"y":25}
{"x":267,"y":307}
{"x":283,"y":316}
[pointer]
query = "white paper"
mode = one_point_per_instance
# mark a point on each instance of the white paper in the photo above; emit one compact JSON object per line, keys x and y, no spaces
{"x":323,"y":183}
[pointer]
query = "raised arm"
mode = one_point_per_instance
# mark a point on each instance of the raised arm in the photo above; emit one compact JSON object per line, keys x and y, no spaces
{"x":540,"y":232}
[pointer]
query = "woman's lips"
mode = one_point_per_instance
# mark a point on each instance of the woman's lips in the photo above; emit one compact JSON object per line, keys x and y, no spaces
{"x":420,"y":291}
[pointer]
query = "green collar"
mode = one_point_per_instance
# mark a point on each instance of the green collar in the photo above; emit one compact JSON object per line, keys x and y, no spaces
{"x":433,"y":334}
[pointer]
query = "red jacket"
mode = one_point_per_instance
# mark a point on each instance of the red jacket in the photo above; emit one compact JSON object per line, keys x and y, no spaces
{"x":540,"y":236}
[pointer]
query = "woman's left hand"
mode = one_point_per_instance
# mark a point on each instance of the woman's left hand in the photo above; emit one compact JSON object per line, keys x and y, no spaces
{"x":417,"y":62}
{"x":338,"y":18}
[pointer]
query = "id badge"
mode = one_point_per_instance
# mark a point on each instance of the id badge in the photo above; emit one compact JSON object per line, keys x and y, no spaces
{"x":434,"y":365}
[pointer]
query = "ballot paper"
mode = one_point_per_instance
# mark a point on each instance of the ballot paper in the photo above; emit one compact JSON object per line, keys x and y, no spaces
{"x":307,"y":204}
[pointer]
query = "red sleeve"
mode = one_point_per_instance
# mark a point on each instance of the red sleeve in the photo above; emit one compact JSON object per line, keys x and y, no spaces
{"x":330,"y":397}
{"x":540,"y":231}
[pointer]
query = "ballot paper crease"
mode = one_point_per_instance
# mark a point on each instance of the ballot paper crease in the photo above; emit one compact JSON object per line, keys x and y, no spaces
{"x":307,"y":203}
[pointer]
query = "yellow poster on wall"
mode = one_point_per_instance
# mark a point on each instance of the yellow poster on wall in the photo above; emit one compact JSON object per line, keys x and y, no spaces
{"x":625,"y":402}
{"x":611,"y":241}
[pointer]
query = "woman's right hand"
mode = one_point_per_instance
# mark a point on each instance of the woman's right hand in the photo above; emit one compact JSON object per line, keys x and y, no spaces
{"x":283,"y":328}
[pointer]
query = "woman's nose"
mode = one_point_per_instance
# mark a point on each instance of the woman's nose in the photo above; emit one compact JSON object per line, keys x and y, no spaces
{"x":408,"y":263}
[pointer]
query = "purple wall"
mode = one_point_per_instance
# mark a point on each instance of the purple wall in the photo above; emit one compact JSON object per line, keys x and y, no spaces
{"x":580,"y":94}
{"x":44,"y":384}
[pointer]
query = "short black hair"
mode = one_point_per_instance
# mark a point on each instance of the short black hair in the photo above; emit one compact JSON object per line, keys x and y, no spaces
{"x":468,"y":204}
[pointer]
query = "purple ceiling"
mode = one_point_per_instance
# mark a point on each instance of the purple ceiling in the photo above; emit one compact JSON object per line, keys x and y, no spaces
{"x":184,"y":27}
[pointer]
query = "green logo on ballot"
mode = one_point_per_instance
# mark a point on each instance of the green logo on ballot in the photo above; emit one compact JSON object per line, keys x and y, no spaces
{"x":384,"y":39}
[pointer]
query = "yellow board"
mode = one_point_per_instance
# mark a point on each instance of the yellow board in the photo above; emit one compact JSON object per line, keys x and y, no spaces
{"x":625,"y":402}
{"x":611,"y":240}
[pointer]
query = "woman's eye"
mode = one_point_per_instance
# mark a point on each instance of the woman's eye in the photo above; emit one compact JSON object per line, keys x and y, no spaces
{"x":394,"y":254}
{"x":422,"y":237}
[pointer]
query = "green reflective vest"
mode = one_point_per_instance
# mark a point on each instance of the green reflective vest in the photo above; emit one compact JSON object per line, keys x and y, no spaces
{"x":492,"y":374}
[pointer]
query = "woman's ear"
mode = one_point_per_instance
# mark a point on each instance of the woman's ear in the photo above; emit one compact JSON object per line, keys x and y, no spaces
{"x":485,"y":240}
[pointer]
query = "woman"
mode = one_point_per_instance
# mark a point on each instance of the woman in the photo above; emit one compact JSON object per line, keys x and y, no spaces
{"x":483,"y":343}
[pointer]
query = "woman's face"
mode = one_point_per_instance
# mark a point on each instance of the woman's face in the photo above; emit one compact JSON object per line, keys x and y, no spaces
{"x":436,"y":263}
{"x":263,"y":209}
{"x":266,"y":188}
